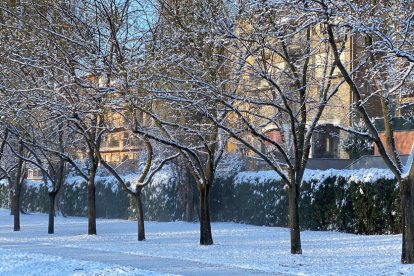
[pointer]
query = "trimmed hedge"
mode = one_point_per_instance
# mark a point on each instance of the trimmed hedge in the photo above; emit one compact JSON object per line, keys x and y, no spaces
{"x":4,"y":195}
{"x":353,"y":206}
{"x":362,"y":202}
{"x":32,"y":190}
{"x":159,"y":199}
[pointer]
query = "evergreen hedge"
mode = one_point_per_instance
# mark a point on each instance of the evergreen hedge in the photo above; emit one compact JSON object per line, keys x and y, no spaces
{"x":4,"y":195}
{"x":37,"y":191}
{"x":362,"y":202}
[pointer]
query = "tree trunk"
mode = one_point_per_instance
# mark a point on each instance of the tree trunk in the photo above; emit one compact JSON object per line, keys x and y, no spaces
{"x":205,"y":226}
{"x":91,"y":204}
{"x":406,"y":194}
{"x":11,"y":203}
{"x":16,"y":199}
{"x":51,"y":226}
{"x":140,"y":216}
{"x":16,"y":209}
{"x":295,"y":243}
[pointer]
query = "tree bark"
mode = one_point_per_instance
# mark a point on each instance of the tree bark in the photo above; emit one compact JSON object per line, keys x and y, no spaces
{"x":295,"y":243}
{"x":51,"y":226}
{"x":91,"y":202}
{"x":16,"y":198}
{"x":140,"y":216}
{"x":406,"y":195}
{"x":11,"y":203}
{"x":16,"y":209}
{"x":206,"y":237}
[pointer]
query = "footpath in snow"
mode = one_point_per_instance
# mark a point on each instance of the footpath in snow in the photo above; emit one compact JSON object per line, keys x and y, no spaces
{"x":173,"y":248}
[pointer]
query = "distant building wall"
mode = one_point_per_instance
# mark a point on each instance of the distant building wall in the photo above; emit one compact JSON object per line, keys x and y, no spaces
{"x":404,"y":140}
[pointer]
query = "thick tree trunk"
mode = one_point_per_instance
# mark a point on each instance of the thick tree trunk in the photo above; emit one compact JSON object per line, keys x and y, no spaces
{"x":51,"y":226}
{"x":406,"y":194}
{"x":295,"y":243}
{"x":91,"y":204}
{"x":140,"y":216}
{"x":206,"y":237}
{"x":16,"y":198}
{"x":16,"y":209}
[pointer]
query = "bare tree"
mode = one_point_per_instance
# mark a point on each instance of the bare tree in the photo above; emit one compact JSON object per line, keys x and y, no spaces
{"x":45,"y":145}
{"x":277,"y":77}
{"x":144,"y":179}
{"x":79,"y":85}
{"x":125,"y":24}
{"x":15,"y":77}
{"x":86,"y":52}
{"x":185,"y":62}
{"x":383,"y":30}
{"x":12,"y":156}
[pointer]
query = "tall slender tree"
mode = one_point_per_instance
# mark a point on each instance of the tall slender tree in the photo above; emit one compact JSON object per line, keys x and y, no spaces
{"x":276,"y":79}
{"x":383,"y":30}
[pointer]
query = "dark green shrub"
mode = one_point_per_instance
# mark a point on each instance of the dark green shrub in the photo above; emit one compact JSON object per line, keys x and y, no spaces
{"x":260,"y":200}
{"x":222,"y":198}
{"x":34,"y":198}
{"x":160,"y":201}
{"x":363,"y":202}
{"x":375,"y":207}
{"x":4,"y":195}
{"x":111,"y":201}
{"x":75,"y":199}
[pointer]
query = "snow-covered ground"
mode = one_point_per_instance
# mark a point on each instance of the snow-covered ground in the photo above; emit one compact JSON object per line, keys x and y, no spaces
{"x":237,"y":246}
{"x":22,"y":263}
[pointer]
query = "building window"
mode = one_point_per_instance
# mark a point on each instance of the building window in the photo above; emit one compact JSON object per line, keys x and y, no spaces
{"x":367,"y":89}
{"x":114,"y":142}
{"x":115,"y":157}
{"x":125,"y":157}
{"x":326,"y":142}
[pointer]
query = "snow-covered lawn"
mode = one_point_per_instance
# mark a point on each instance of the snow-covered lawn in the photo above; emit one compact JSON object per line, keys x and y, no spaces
{"x":21,"y":263}
{"x":236,"y":245}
